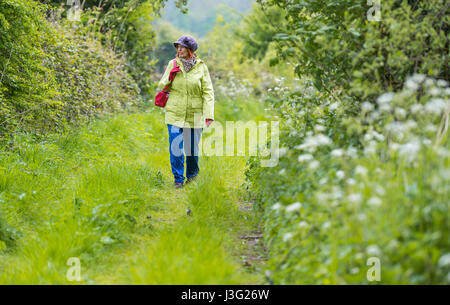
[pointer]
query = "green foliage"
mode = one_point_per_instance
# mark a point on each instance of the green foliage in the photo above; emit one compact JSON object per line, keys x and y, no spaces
{"x":334,"y":43}
{"x":332,"y":203}
{"x":258,"y":30}
{"x":103,"y":193}
{"x":364,"y":162}
{"x":199,"y":16}
{"x":51,"y":76}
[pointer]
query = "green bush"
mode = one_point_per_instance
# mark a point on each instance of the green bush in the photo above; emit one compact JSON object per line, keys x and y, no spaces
{"x":51,"y":76}
{"x":364,"y":157}
{"x":329,"y":206}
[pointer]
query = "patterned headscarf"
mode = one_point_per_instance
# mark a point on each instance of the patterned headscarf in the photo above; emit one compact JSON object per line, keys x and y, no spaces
{"x":188,"y":63}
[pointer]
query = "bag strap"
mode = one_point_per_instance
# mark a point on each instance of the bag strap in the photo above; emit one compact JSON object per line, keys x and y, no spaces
{"x":168,"y":86}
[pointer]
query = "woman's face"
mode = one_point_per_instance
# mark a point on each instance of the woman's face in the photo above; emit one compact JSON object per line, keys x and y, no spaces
{"x":182,"y":51}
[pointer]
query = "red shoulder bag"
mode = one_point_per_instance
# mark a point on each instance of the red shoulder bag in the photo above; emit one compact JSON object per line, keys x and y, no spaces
{"x":162,"y":96}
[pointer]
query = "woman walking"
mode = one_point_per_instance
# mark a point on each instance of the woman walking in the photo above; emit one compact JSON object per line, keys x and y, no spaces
{"x":189,"y":109}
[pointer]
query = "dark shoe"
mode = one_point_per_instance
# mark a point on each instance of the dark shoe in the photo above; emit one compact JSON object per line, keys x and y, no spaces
{"x":178,"y":185}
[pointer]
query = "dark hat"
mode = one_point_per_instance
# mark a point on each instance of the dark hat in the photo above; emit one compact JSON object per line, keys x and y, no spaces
{"x":187,"y":41}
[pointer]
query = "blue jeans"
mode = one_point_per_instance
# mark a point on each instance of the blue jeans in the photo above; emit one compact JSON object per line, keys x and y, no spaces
{"x":190,"y":137}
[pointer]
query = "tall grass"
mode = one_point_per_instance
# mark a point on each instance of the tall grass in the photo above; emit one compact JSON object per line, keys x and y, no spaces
{"x":103,"y":193}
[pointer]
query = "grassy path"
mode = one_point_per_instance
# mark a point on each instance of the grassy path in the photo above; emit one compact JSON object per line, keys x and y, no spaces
{"x":103,"y":193}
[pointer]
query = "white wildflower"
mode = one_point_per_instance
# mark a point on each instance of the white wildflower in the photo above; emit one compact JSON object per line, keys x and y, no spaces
{"x":303,"y":224}
{"x":282,"y":151}
{"x":378,"y":136}
{"x":337,"y":193}
{"x":337,"y":153}
{"x":305,"y":157}
{"x":287,"y":236}
{"x":351,"y":181}
{"x":315,"y":141}
{"x":366,"y":107}
{"x":435,"y":91}
{"x":380,"y":190}
{"x":293,"y":207}
{"x":410,"y":124}
{"x":277,"y":206}
{"x":326,"y":225}
{"x":410,"y":149}
{"x":360,"y":170}
{"x":323,"y":180}
{"x":333,"y":106}
{"x":368,"y":136}
{"x":411,"y":84}
{"x":373,"y":250}
{"x":352,"y":152}
{"x":395,"y":128}
{"x":416,"y":108}
{"x":426,"y":142}
{"x":319,"y":128}
{"x":385,"y":98}
{"x":374,"y":201}
{"x":340,"y":174}
{"x":400,"y":112}
{"x":418,"y":78}
{"x":355,"y":198}
{"x":441,"y":83}
{"x":435,"y":106}
{"x":370,"y":148}
{"x":429,"y":82}
{"x":444,"y":261}
{"x":430,"y":128}
{"x":314,"y":164}
{"x":385,"y":107}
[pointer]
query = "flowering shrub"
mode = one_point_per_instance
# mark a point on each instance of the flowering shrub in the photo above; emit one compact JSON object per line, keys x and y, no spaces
{"x":352,"y":187}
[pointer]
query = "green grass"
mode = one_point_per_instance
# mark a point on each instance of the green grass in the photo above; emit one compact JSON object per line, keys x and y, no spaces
{"x":104,"y":193}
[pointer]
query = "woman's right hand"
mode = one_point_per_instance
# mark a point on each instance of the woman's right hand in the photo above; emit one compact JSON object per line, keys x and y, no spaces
{"x":173,"y":73}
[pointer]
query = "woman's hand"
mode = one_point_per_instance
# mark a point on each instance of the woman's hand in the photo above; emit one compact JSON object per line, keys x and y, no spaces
{"x":208,"y":122}
{"x":173,"y":72}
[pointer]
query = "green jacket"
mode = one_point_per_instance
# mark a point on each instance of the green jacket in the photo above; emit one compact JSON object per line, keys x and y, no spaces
{"x":191,"y":93}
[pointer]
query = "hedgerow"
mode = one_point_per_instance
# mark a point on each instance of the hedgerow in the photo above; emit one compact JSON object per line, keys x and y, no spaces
{"x":52,"y":75}
{"x":364,"y":157}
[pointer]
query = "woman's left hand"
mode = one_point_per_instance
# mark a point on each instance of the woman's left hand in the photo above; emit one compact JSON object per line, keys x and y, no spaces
{"x":208,"y":122}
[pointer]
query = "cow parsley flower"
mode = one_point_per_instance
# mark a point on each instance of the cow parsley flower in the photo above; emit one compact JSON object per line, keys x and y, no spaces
{"x":337,"y":152}
{"x":373,"y":250}
{"x":351,"y":181}
{"x":444,"y":261}
{"x":305,"y":157}
{"x":303,"y":224}
{"x":366,"y":107}
{"x":360,"y":170}
{"x":319,"y":128}
{"x":416,"y":108}
{"x":374,"y":201}
{"x":314,"y":164}
{"x":333,"y":106}
{"x":409,"y":150}
{"x":277,"y":206}
{"x":293,"y":207}
{"x":385,"y":98}
{"x":340,"y":174}
{"x":355,"y":198}
{"x":436,"y":106}
{"x":287,"y":236}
